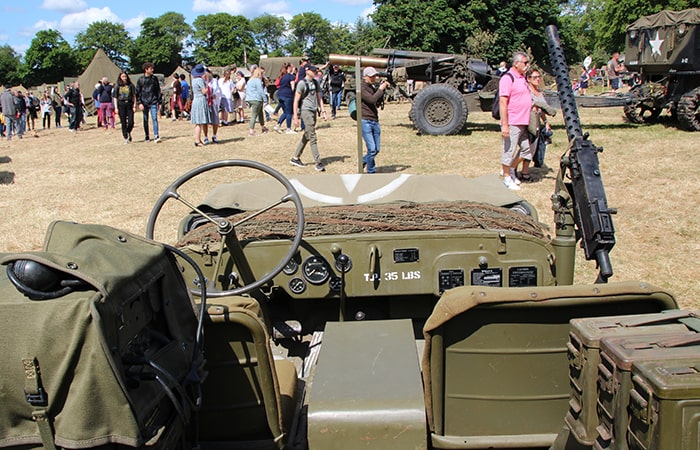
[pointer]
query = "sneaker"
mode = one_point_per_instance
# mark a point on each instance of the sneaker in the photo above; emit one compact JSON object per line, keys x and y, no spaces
{"x":510,"y":184}
{"x":290,"y":131}
{"x":296,"y":162}
{"x":129,"y":137}
{"x":320,"y":168}
{"x":206,"y":141}
{"x":147,"y":139}
{"x":214,"y":140}
{"x":126,"y":141}
{"x":277,"y":128}
{"x":264,"y":130}
{"x":514,"y":177}
{"x":157,"y":140}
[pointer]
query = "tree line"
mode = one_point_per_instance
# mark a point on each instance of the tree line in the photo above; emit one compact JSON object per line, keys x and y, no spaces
{"x":488,"y":29}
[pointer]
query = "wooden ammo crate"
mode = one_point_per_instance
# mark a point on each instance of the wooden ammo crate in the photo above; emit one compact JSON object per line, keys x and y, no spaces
{"x":583,"y":351}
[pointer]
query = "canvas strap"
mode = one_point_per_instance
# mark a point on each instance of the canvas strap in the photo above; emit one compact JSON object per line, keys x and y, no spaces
{"x":36,"y":396}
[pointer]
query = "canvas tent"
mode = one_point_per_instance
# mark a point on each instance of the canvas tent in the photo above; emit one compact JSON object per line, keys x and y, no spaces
{"x":100,"y":66}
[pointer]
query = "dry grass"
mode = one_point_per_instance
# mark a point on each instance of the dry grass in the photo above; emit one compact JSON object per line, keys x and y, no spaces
{"x":650,"y":175}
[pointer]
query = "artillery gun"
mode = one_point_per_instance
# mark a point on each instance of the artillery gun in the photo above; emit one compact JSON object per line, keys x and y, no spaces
{"x":665,"y":49}
{"x":385,"y":311}
{"x":443,"y":105}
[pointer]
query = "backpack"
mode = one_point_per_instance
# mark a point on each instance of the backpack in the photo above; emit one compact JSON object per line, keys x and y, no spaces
{"x":496,"y":105}
{"x":307,"y":90}
{"x":103,"y":350}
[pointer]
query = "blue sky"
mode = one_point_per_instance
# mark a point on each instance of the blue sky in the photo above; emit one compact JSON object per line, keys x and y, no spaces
{"x":21,"y":19}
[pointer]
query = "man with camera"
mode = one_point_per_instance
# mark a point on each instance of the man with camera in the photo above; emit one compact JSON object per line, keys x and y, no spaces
{"x":371,"y":97}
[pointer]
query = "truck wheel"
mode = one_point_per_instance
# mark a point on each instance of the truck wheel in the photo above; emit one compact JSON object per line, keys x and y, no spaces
{"x":642,"y":109}
{"x":689,"y":110}
{"x":439,"y":109}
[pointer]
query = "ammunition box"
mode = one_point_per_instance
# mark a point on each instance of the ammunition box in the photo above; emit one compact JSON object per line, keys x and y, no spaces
{"x":664,"y":405}
{"x":583,"y":351}
{"x":615,"y":380}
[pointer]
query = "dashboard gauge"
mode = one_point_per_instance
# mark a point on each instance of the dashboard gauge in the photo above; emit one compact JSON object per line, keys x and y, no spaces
{"x":291,"y":267}
{"x":315,"y":270}
{"x":335,"y":284}
{"x":297,"y":285}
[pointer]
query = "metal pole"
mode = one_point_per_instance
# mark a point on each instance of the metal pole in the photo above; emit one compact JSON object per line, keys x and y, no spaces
{"x":358,"y":109}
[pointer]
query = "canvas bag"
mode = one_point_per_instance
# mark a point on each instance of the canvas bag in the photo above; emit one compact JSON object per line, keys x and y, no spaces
{"x":99,"y":350}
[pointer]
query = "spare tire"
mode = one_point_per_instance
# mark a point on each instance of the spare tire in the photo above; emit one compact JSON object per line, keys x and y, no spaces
{"x":439,"y":109}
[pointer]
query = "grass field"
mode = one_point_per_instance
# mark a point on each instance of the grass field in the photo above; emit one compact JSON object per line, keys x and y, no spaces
{"x":650,"y":173}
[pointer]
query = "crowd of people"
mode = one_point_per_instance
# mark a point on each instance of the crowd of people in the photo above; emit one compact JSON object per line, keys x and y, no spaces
{"x":212,"y":101}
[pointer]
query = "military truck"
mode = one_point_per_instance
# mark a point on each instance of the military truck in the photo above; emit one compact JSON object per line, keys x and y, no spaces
{"x":664,"y":48}
{"x":385,"y":311}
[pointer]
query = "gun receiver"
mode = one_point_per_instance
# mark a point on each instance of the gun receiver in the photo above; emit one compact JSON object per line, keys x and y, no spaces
{"x":584,"y":193}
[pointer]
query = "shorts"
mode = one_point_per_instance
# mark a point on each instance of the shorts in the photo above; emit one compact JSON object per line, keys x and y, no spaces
{"x":614,"y":83}
{"x":518,"y":138}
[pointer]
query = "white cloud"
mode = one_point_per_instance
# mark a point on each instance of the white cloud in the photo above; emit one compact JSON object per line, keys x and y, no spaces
{"x":234,"y":7}
{"x":368,"y":11}
{"x":64,"y":5}
{"x":72,"y":23}
{"x":133,"y":26}
{"x":244,"y":8}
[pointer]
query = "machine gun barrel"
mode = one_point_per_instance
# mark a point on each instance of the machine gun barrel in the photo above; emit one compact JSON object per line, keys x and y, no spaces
{"x":564,"y":87}
{"x":590,"y":207}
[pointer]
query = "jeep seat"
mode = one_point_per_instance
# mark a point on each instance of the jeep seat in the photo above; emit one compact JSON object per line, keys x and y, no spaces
{"x":495,"y":361}
{"x":249,"y":397}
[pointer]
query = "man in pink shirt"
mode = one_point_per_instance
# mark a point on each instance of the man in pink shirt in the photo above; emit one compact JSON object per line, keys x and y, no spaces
{"x":515,"y":103}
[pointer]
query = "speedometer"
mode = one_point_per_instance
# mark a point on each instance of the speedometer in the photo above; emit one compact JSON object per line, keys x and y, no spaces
{"x":315,"y":270}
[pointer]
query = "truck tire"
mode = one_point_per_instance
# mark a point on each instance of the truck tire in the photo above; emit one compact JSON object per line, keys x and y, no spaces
{"x":642,"y":109}
{"x":689,"y":110}
{"x":439,"y":109}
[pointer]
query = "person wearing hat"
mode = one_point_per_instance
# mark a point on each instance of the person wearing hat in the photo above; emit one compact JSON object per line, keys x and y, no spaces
{"x":370,"y":116}
{"x":200,"y":115}
{"x":337,"y":78}
{"x":307,"y":100}
{"x":301,"y":71}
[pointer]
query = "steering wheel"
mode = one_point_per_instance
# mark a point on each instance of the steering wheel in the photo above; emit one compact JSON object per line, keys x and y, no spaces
{"x":227,"y":230}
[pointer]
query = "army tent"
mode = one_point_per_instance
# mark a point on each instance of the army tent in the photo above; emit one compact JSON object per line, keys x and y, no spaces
{"x":100,"y":66}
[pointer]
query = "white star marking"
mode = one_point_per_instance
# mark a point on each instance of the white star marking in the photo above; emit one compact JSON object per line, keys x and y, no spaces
{"x":656,"y":44}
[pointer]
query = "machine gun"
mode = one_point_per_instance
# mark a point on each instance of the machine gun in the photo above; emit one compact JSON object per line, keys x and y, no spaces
{"x":583,"y":195}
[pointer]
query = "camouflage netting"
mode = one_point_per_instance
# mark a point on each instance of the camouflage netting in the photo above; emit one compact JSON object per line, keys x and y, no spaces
{"x":355,"y":219}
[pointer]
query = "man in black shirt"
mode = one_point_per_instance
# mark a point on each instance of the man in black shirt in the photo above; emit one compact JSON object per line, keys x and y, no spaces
{"x":74,"y":100}
{"x":148,"y":98}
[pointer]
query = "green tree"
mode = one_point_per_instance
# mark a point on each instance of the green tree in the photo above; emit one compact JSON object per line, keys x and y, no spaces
{"x":161,"y":42}
{"x":268,"y":32}
{"x":453,"y":26}
{"x":110,"y":37}
{"x":311,"y":34}
{"x":49,"y":59}
{"x":222,"y":39}
{"x":10,"y":66}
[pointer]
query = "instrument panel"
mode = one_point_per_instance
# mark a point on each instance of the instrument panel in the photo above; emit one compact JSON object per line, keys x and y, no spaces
{"x":370,"y":265}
